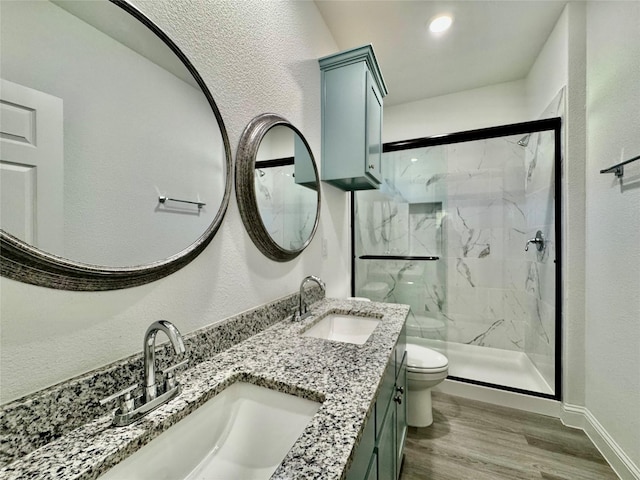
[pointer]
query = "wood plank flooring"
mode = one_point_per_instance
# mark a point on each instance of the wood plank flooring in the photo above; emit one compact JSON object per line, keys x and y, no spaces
{"x":479,"y":441}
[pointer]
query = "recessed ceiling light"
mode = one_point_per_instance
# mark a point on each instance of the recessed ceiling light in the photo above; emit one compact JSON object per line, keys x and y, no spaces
{"x":440,"y":23}
{"x":414,"y":160}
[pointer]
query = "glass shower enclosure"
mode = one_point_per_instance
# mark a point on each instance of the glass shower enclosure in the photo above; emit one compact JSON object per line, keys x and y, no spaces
{"x":466,"y":230}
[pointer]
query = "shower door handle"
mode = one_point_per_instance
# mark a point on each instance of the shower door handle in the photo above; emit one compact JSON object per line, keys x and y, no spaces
{"x":538,"y":242}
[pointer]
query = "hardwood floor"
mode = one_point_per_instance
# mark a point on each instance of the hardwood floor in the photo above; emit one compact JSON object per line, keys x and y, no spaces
{"x":478,"y":441}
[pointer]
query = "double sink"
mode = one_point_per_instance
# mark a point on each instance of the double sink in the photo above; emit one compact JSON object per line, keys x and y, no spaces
{"x":243,"y":432}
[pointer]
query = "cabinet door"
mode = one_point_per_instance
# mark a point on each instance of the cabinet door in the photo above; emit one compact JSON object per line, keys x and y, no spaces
{"x":373,"y":165}
{"x":373,"y":468}
{"x":385,"y":396}
{"x":401,"y":414}
{"x":304,"y":174}
{"x":387,"y":446}
{"x":343,"y":122}
{"x":362,"y":459}
{"x":401,"y":348}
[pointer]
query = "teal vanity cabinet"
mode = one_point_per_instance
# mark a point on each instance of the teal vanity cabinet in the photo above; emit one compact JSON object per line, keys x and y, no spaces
{"x":352,"y":93}
{"x":379,"y":454}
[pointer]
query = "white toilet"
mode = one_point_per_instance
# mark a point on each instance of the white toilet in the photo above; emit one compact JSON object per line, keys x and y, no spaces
{"x":426,"y":368}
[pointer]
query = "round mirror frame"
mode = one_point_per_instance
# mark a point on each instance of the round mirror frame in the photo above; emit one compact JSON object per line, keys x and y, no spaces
{"x":245,"y":186}
{"x":25,"y":263}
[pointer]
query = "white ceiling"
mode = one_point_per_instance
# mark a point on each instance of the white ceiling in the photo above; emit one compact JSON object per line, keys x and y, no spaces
{"x":489,"y":41}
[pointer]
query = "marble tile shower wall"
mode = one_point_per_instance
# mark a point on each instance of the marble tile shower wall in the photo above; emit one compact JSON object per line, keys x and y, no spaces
{"x":474,"y":205}
{"x":486,"y":229}
{"x":405,"y":218}
{"x":540,"y":284}
{"x":466,"y":204}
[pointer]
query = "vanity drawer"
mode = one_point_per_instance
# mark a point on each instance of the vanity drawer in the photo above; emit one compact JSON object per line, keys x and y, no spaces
{"x":385,"y":395}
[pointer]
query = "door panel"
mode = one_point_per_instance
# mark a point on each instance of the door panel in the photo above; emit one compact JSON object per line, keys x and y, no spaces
{"x":31,"y":166}
{"x":387,"y":446}
{"x":374,"y":131}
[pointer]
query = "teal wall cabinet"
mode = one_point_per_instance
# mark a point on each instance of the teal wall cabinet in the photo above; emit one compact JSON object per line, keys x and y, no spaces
{"x":304,"y":171}
{"x":352,"y":93}
{"x":379,"y":453}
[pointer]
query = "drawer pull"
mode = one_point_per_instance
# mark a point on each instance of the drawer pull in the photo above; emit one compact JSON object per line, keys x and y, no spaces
{"x":398,"y":399}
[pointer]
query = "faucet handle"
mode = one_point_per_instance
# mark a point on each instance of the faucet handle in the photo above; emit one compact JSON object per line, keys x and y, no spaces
{"x":538,"y":241}
{"x":169,"y":370}
{"x":170,"y":380}
{"x":126,"y":401}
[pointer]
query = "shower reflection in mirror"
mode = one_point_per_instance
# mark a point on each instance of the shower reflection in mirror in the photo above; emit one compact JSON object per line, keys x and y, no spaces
{"x":286,"y":187}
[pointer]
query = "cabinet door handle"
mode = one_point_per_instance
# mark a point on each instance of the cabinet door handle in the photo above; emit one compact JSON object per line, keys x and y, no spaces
{"x":400,"y":390}
{"x":398,"y":399}
{"x":371,"y":167}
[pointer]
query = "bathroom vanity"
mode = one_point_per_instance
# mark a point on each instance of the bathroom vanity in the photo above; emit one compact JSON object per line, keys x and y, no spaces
{"x":357,"y":431}
{"x":379,"y":454}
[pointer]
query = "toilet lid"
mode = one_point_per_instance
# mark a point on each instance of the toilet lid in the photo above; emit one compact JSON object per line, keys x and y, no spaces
{"x":422,"y":359}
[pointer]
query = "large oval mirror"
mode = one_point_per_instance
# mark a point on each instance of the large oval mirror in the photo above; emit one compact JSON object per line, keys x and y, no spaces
{"x":277,"y":187}
{"x":115,"y":165}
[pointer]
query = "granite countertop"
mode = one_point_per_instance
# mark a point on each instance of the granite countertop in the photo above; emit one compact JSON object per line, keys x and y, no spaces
{"x":345,"y":377}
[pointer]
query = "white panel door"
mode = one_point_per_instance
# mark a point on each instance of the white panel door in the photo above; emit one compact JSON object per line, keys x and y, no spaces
{"x":31,"y":166}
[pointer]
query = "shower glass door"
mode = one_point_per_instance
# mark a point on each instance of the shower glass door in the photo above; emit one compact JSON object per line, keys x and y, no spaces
{"x":453,"y":232}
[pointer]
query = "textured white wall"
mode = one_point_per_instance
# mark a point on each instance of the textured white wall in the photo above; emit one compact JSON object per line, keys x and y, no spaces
{"x":478,"y":108}
{"x":550,"y":71}
{"x":613,"y":222}
{"x":562,"y":62}
{"x":107,"y":188}
{"x":256,"y":57}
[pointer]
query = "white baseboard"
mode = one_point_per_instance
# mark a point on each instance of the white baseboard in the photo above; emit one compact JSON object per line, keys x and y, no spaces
{"x":573,"y":416}
{"x":580,"y":417}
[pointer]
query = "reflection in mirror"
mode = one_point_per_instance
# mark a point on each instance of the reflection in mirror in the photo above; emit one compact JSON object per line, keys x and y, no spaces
{"x":277,"y":187}
{"x":101,"y":116}
{"x":287,"y":207}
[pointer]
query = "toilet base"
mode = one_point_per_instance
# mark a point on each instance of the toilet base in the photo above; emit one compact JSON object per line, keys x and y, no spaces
{"x":419,"y":410}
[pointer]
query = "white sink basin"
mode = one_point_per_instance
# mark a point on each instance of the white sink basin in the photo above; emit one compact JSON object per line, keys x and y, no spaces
{"x":244,"y":432}
{"x":343,"y":328}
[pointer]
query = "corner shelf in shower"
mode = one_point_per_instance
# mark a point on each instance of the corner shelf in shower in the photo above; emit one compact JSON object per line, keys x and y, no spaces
{"x":397,"y":257}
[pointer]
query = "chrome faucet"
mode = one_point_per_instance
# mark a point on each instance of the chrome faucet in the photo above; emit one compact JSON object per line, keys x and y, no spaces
{"x":150,"y":388}
{"x":132,"y":408}
{"x":302,"y":312}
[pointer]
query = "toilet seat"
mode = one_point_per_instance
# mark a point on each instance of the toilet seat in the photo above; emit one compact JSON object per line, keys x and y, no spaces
{"x":424,"y":360}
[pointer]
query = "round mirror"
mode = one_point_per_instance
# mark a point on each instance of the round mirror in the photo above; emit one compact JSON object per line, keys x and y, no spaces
{"x":115,"y":165}
{"x":277,"y":187}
